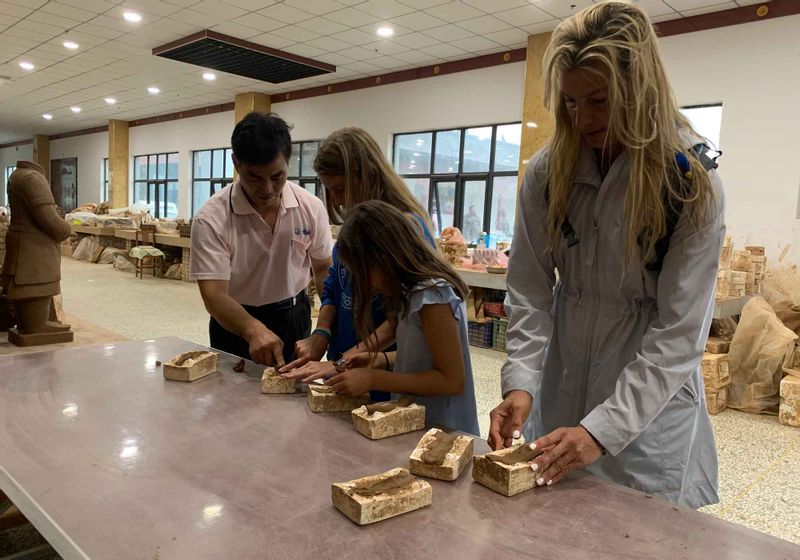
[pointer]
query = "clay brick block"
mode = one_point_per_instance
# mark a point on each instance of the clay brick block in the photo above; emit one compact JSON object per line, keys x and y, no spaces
{"x":755,"y":250}
{"x":717,"y":345}
{"x":191,"y":365}
{"x":716,"y":373}
{"x":742,"y":261}
{"x":322,"y":398}
{"x":390,"y":418}
{"x":789,"y":411}
{"x":375,"y":498}
{"x":507,"y":471}
{"x":716,"y":400}
{"x":273,"y":383}
{"x":441,"y":456}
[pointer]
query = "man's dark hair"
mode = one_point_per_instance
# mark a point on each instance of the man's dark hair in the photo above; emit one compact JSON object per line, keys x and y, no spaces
{"x":260,"y":137}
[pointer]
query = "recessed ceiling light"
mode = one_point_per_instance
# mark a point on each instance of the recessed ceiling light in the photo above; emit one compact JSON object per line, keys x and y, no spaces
{"x":531,"y":124}
{"x":110,"y":100}
{"x":26,"y":65}
{"x":385,"y":31}
{"x":75,"y":109}
{"x":47,"y":116}
{"x":132,"y":17}
{"x":209,"y":76}
{"x":154,"y":90}
{"x":71,"y":45}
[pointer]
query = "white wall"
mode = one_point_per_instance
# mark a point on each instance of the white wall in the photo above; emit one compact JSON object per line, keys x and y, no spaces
{"x":90,"y":150}
{"x":9,"y":156}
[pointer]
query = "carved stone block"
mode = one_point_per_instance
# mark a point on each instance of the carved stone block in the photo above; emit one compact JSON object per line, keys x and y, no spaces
{"x":390,"y":418}
{"x":507,"y":471}
{"x":375,"y":498}
{"x":717,"y":345}
{"x":716,"y":400}
{"x":190,"y":366}
{"x":322,"y":398}
{"x":789,"y":411}
{"x":716,"y":373}
{"x":441,"y":455}
{"x":273,"y":383}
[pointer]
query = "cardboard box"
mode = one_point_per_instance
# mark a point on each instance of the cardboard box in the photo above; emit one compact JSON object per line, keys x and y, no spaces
{"x":441,"y":455}
{"x":391,"y":418}
{"x":375,"y":498}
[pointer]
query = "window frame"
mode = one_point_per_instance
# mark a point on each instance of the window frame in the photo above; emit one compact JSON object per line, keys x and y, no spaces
{"x":157,"y":203}
{"x":460,"y":177}
{"x":216,"y":183}
{"x":9,"y":170}
{"x":302,"y":180}
{"x":104,"y":181}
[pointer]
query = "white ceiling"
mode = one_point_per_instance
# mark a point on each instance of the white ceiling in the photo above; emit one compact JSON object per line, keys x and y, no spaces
{"x":114,"y":58}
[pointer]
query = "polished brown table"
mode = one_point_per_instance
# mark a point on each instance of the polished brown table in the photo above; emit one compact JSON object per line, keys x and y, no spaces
{"x":110,"y":461}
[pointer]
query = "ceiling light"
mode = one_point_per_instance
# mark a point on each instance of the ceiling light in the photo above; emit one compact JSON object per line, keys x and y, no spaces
{"x":132,"y":17}
{"x":531,"y":124}
{"x":111,"y":100}
{"x":75,"y":110}
{"x":385,"y":31}
{"x":154,"y":90}
{"x":26,"y":65}
{"x":71,"y":45}
{"x":209,"y":76}
{"x":47,"y":116}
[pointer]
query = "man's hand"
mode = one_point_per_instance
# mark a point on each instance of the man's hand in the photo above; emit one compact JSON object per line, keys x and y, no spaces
{"x":508,"y":418}
{"x":353,"y":382}
{"x":309,"y":349}
{"x":265,"y":347}
{"x":565,"y":449}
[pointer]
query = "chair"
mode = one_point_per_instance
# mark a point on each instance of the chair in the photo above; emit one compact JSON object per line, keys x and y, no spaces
{"x":147,"y":256}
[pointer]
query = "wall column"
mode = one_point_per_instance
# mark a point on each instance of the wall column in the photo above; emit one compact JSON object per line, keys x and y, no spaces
{"x":41,"y":152}
{"x":118,"y":161}
{"x":249,"y":102}
{"x":537,"y":122}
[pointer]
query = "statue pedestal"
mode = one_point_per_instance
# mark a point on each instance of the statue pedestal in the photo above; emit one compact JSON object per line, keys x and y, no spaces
{"x":35,"y":339}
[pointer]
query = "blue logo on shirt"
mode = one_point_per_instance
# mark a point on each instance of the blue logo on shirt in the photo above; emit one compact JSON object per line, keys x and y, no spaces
{"x":304,"y":231}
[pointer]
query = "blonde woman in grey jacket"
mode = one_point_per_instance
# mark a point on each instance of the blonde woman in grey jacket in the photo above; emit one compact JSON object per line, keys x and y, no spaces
{"x":612,"y":271}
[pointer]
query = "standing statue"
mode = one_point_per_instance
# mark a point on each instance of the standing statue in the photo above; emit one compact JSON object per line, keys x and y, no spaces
{"x":32,"y":266}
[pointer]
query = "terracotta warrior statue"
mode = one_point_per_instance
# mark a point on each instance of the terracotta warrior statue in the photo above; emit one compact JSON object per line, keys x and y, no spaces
{"x":32,"y":265}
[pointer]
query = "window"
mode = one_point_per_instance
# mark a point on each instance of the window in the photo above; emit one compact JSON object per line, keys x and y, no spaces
{"x":9,"y":170}
{"x":104,"y":186}
{"x":465,"y":177}
{"x":301,"y":170}
{"x":706,"y":120}
{"x":155,"y":183}
{"x":211,"y":171}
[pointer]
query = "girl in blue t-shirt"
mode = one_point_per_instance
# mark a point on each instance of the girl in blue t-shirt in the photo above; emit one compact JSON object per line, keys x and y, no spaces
{"x":353,"y":169}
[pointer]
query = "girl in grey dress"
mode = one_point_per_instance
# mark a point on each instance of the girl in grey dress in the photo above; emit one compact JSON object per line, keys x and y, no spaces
{"x":385,"y":253}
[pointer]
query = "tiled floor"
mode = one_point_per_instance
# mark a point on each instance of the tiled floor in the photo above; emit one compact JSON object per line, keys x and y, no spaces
{"x":759,"y":458}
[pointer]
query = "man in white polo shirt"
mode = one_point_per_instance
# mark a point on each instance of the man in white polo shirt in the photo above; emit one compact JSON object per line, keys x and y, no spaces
{"x":253,"y":245}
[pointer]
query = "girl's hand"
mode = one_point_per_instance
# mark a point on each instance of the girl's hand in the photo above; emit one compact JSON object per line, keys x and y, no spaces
{"x":353,"y":382}
{"x":312,"y":371}
{"x":362,"y":360}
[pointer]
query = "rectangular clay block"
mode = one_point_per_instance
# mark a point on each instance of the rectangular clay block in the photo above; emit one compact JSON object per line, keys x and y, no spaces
{"x":378,"y":424}
{"x":716,"y":372}
{"x":321,"y":398}
{"x":386,"y":495}
{"x":191,"y":365}
{"x":755,"y":250}
{"x":508,"y":480}
{"x":789,"y":411}
{"x":273,"y":383}
{"x":455,"y":460}
{"x":716,"y":400}
{"x":717,"y":345}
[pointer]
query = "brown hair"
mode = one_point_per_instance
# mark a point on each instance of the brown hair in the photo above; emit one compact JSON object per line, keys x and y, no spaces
{"x":377,"y":235}
{"x":354,"y":154}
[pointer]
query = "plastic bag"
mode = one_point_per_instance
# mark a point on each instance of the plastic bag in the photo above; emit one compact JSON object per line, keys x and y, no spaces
{"x":107,"y":256}
{"x":173,"y":272}
{"x":760,"y":347}
{"x":85,"y":249}
{"x":122,"y":263}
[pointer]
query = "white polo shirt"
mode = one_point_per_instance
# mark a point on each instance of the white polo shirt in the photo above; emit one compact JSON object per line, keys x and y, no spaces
{"x":231,"y":241}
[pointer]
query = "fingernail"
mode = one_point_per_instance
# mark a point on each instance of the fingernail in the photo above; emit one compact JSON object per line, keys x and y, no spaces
{"x":517,"y":435}
{"x":534,"y":467}
{"x":540,"y":481}
{"x":533,"y":447}
{"x":549,"y":482}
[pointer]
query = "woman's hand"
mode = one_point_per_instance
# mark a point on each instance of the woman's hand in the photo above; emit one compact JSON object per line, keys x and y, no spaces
{"x":312,"y":371}
{"x":565,"y":449}
{"x":363,"y":360}
{"x":353,"y":382}
{"x":508,"y":418}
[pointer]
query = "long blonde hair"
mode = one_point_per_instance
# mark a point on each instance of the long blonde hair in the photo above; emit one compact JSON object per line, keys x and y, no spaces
{"x":376,"y":235}
{"x":617,"y":41}
{"x":354,"y":154}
